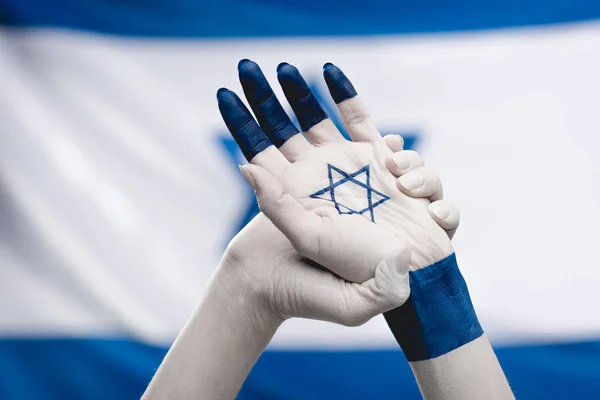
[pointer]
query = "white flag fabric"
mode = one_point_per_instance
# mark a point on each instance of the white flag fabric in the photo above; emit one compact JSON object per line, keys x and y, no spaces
{"x":119,"y":187}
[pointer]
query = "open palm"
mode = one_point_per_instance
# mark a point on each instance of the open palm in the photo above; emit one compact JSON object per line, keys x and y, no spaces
{"x":336,"y":200}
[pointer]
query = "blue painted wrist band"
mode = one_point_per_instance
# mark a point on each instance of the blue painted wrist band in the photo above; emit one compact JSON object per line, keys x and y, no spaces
{"x":438,"y":317}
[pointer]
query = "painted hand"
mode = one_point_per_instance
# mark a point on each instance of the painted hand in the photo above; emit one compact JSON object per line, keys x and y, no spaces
{"x":261,"y":259}
{"x":405,"y":163}
{"x":324,"y":192}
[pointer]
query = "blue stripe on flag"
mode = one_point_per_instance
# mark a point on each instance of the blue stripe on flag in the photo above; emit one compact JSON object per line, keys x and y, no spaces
{"x":235,"y":18}
{"x":90,"y":369}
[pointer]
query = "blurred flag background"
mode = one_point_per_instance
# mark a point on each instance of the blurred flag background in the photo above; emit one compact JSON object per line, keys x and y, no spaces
{"x":119,"y":187}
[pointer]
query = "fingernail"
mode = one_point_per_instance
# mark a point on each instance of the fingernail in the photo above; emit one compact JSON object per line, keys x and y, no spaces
{"x":400,"y":260}
{"x":242,"y":62}
{"x":395,"y":142}
{"x":339,"y":85}
{"x":411,"y":182}
{"x":281,"y":66}
{"x":440,"y":209}
{"x":247,"y":174}
{"x":402,"y":161}
{"x":220,"y":91}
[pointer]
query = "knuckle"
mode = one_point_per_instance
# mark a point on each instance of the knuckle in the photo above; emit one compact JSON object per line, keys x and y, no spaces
{"x":431,"y":175}
{"x":400,"y":297}
{"x":357,"y":118}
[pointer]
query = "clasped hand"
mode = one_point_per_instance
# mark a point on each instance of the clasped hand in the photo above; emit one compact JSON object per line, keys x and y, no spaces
{"x":342,"y":221}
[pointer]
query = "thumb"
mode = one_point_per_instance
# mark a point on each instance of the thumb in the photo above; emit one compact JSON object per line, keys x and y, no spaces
{"x":391,"y":276}
{"x":285,"y":212}
{"x":389,"y":289}
{"x":446,"y":215}
{"x":399,"y":260}
{"x":324,"y":296}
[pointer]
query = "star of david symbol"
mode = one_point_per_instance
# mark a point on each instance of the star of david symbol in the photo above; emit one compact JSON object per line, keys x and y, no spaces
{"x":249,"y":208}
{"x":374,"y":197}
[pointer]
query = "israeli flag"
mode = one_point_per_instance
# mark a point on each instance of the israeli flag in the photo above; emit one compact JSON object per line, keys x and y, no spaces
{"x":119,"y":187}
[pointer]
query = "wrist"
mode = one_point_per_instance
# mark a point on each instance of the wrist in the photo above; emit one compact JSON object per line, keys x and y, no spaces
{"x":433,"y":247}
{"x":242,"y":298}
{"x":438,"y":316}
{"x":220,"y":343}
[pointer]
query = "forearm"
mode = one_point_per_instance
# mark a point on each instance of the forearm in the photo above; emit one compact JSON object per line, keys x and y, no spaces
{"x":215,"y":351}
{"x":470,"y":372}
{"x":441,"y":337}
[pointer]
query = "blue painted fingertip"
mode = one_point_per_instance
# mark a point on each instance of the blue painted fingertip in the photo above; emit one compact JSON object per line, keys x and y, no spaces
{"x":244,"y":129}
{"x":339,"y":85}
{"x":242,"y":62}
{"x":306,"y":107}
{"x":269,"y":112}
{"x":221,"y":91}
{"x":281,"y":66}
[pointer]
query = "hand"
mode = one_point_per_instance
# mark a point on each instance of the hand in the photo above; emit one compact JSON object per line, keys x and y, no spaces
{"x":345,"y":185}
{"x":292,"y":286}
{"x":408,"y":162}
{"x":262,"y":280}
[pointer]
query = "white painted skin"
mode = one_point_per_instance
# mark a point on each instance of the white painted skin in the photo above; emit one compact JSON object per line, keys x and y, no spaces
{"x":472,"y":371}
{"x":299,"y":169}
{"x":262,"y":280}
{"x":469,"y":372}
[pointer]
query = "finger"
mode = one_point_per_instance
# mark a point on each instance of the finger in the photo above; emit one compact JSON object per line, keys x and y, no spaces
{"x":394,"y":142}
{"x":421,"y":182}
{"x":446,"y":215}
{"x":270,"y":114}
{"x":246,"y":132}
{"x":309,"y":112}
{"x":355,"y":115}
{"x":285,"y":212}
{"x":353,"y":304}
{"x":401,"y":162}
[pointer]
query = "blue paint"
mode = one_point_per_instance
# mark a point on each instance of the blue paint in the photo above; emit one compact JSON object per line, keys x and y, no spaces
{"x":351,"y":179}
{"x":324,"y":99}
{"x":438,"y":316}
{"x":248,"y":204}
{"x":338,"y":83}
{"x":244,"y":129}
{"x":221,"y":91}
{"x":270,"y":114}
{"x":282,"y":65}
{"x":306,"y":107}
{"x":259,"y":18}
